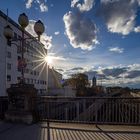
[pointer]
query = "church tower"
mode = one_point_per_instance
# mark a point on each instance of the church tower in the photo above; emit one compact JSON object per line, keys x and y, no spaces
{"x":94,"y":82}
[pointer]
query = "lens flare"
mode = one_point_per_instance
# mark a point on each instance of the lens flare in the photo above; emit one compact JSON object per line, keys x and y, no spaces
{"x":48,"y":59}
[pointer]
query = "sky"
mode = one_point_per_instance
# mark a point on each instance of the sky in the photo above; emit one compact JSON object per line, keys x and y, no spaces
{"x":97,"y":37}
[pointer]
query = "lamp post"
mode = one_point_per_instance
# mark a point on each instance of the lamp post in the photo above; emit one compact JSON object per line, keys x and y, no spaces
{"x":21,"y":106}
{"x":8,"y":33}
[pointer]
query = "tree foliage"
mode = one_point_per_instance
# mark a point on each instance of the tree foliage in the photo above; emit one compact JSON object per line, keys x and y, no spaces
{"x":79,"y":82}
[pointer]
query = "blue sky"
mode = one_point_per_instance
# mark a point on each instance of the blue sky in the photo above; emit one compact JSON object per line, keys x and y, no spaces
{"x":98,"y":37}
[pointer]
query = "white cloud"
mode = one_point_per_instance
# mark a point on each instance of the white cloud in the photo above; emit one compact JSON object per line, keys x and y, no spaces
{"x":119,"y":15}
{"x":117,"y":75}
{"x":29,"y":3}
{"x":43,"y":7}
{"x":116,"y":50}
{"x":86,"y":6}
{"x":57,"y":33}
{"x":42,"y":4}
{"x":45,"y":39}
{"x":80,"y":31}
{"x":74,"y":2}
{"x":138,"y":2}
{"x":137,"y":29}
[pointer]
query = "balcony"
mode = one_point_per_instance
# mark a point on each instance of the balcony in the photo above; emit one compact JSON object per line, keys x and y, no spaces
{"x":59,"y":118}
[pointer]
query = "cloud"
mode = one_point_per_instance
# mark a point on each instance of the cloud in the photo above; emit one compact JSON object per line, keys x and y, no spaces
{"x":58,"y":58}
{"x":110,"y":76}
{"x":60,"y":70}
{"x":42,"y":4}
{"x":76,"y":69}
{"x":29,"y":4}
{"x":45,"y":39}
{"x":80,"y":31}
{"x":43,"y":7}
{"x":133,"y":74}
{"x":86,"y":6}
{"x":116,"y":49}
{"x":114,"y":72}
{"x":74,"y":2}
{"x":57,"y":33}
{"x":137,"y":29}
{"x":119,"y":15}
{"x":138,"y":2}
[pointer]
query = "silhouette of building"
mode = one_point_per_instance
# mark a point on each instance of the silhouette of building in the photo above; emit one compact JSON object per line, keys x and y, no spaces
{"x":94,"y":82}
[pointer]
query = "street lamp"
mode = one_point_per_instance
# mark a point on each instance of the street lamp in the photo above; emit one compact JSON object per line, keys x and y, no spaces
{"x":21,"y":106}
{"x":8,"y":33}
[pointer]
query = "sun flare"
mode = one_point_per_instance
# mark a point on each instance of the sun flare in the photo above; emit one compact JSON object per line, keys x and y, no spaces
{"x":48,"y":59}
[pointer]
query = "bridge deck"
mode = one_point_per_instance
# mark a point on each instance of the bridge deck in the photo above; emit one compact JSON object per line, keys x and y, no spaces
{"x":68,"y":131}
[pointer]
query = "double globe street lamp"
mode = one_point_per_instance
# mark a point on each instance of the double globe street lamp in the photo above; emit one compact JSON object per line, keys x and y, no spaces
{"x":9,"y":34}
{"x":21,"y":106}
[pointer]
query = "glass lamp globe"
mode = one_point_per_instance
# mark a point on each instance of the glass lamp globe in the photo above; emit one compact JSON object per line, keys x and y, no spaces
{"x":39,"y":27}
{"x":23,"y":20}
{"x":8,"y":32}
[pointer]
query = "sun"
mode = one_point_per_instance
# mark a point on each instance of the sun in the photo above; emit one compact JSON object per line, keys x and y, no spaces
{"x":48,"y":59}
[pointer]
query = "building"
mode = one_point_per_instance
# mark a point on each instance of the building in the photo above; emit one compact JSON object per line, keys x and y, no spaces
{"x":10,"y":56}
{"x":94,"y":81}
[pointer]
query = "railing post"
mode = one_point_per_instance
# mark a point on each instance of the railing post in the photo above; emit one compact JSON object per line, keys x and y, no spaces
{"x":84,"y":109}
{"x":66,"y":114}
{"x":96,"y":111}
{"x":77,"y":110}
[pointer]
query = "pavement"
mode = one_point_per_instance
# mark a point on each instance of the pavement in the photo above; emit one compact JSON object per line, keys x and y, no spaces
{"x":15,"y":131}
{"x":68,"y":131}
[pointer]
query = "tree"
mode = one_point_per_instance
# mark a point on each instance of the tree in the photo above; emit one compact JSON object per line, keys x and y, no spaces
{"x":79,"y":82}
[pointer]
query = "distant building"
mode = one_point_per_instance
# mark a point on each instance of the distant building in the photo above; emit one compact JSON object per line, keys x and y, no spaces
{"x":94,"y":81}
{"x":97,"y":88}
{"x":11,"y":55}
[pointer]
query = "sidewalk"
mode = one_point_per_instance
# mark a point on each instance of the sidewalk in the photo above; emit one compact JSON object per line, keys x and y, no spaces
{"x":68,"y":131}
{"x":9,"y":131}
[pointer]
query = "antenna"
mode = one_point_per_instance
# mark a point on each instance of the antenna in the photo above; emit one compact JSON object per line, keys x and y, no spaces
{"x":7,"y":16}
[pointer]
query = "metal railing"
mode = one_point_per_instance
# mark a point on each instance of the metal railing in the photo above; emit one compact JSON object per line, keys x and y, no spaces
{"x":89,"y":110}
{"x":114,"y":110}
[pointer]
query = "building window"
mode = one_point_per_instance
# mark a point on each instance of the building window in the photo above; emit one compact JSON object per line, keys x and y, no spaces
{"x":8,"y":66}
{"x":18,"y":79}
{"x":18,"y":49}
{"x":8,"y":54}
{"x":34,"y":72}
{"x":45,"y":82}
{"x":15,"y":35}
{"x":18,"y":59}
{"x":28,"y":81}
{"x":8,"y":78}
{"x":37,"y":73}
{"x":32,"y":81}
{"x":19,"y":37}
{"x":26,"y":70}
{"x":31,"y":72}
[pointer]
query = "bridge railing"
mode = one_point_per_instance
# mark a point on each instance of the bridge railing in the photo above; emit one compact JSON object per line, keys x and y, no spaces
{"x":114,"y":110}
{"x":89,"y":110}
